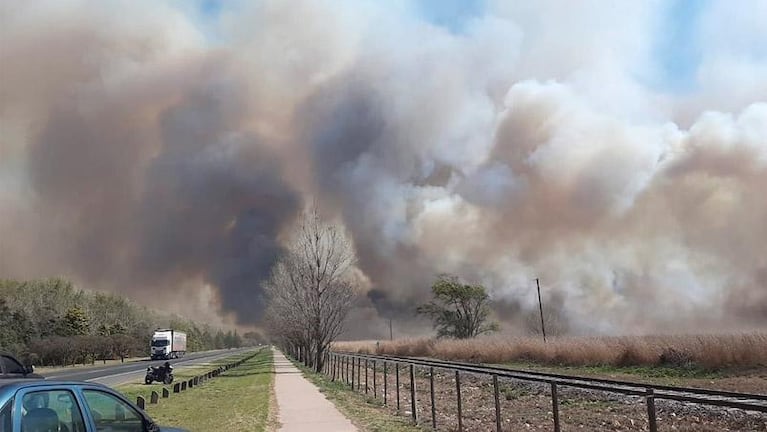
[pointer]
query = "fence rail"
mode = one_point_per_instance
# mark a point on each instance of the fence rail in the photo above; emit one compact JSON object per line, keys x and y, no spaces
{"x":342,"y":365}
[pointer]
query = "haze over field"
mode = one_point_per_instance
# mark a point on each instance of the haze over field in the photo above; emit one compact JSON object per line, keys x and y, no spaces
{"x":163,"y":149}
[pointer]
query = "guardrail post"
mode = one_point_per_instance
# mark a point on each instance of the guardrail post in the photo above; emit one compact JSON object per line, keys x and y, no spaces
{"x":555,"y":405}
{"x":397,"y":384}
{"x":154,"y":397}
{"x":433,"y":402}
{"x":140,"y":402}
{"x":458,"y":399}
{"x":375,"y":387}
{"x":412,"y":393}
{"x":497,"y":404}
{"x":386,"y":382}
{"x":165,"y":393}
{"x":653,"y":424}
{"x":366,"y":376}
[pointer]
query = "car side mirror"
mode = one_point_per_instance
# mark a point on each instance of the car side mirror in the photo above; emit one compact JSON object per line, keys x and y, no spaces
{"x":150,"y":426}
{"x":29,"y":369}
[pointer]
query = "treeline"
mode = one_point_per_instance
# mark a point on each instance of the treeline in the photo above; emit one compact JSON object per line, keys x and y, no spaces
{"x":51,"y":322}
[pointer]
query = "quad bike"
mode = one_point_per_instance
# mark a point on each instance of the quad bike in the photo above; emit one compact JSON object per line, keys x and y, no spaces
{"x":162,"y":373}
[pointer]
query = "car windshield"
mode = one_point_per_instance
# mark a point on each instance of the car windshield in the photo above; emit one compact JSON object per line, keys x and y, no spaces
{"x":160,"y":343}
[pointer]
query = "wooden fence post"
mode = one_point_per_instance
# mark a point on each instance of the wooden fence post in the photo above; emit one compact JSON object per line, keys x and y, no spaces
{"x":375,"y":388}
{"x":396,"y":365}
{"x":650,"y":396}
{"x":332,"y":368}
{"x":433,"y":402}
{"x":366,"y":376}
{"x":386,"y":383}
{"x":359,"y":373}
{"x":458,"y":398}
{"x":412,"y":393}
{"x":555,"y":406}
{"x":497,"y":404}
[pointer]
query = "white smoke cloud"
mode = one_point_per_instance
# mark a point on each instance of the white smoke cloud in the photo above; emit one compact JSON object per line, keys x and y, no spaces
{"x":536,"y":140}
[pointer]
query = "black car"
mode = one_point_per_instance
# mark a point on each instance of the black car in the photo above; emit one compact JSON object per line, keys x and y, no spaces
{"x":28,"y":405}
{"x":10,"y":367}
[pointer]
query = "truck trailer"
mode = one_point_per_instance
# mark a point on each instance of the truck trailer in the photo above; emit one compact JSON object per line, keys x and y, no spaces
{"x":168,"y":344}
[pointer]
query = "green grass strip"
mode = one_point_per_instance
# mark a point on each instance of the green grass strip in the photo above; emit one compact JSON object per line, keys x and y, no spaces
{"x":237,"y":400}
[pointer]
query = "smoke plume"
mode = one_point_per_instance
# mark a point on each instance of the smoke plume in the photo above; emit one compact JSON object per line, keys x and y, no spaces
{"x":616,"y":152}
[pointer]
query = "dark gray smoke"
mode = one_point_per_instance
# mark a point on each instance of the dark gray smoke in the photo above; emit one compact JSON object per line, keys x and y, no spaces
{"x":163,"y":152}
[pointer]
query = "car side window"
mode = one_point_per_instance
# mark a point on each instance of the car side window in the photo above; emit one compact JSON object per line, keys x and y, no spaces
{"x":11,"y":366}
{"x":111,"y":414}
{"x":5,"y":417}
{"x":51,"y":410}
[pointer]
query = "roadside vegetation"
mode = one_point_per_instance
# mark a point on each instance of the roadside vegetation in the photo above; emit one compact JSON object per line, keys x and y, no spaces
{"x":52,"y":322}
{"x":367,"y":414}
{"x":686,"y":354}
{"x":237,"y":400}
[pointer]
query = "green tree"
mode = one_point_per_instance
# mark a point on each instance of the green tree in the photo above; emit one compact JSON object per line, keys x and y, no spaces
{"x":74,"y":323}
{"x":236,"y":340}
{"x":458,"y":310}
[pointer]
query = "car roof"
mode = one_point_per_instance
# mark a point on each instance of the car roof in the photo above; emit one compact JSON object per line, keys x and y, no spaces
{"x":14,"y":384}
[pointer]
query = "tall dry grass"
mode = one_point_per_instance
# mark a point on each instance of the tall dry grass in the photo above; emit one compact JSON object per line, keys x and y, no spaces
{"x":710,"y":352}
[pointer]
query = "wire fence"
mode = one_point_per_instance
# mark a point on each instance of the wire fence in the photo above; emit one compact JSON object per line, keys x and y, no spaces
{"x":414,"y":382}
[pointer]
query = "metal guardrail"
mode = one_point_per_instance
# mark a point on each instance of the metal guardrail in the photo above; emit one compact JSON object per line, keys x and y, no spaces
{"x":342,"y":365}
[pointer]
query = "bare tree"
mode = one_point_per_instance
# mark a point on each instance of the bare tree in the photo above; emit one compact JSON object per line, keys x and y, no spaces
{"x":310,"y":291}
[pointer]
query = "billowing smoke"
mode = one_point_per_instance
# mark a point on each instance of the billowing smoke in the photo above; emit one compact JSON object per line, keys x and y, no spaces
{"x":616,"y":152}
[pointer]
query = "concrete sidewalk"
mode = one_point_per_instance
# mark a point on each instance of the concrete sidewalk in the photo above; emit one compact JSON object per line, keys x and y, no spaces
{"x":302,"y":407}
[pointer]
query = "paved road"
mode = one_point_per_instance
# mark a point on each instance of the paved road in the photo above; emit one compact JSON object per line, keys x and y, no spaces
{"x":118,"y":374}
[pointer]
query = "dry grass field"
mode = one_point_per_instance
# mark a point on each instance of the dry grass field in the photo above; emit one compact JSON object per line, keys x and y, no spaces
{"x":705,"y":352}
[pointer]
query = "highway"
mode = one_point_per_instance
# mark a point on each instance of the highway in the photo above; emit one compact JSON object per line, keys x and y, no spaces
{"x":134,"y":371}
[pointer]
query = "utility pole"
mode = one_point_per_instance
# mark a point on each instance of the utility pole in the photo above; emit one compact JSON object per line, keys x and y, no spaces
{"x":391,"y":335}
{"x":540,"y":308}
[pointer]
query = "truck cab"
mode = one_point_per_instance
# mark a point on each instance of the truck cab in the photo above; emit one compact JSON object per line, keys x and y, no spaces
{"x":168,"y":344}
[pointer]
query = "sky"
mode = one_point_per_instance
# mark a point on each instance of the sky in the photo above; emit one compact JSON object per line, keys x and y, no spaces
{"x":615,"y":150}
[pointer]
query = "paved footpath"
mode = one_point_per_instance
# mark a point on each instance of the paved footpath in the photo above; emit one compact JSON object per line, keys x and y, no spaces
{"x":302,"y":407}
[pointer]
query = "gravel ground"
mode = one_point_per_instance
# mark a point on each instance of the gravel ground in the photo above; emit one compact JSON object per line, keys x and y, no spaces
{"x":527,"y":406}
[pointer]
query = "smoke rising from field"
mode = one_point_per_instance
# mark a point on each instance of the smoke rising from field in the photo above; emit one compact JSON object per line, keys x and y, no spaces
{"x":156,"y":152}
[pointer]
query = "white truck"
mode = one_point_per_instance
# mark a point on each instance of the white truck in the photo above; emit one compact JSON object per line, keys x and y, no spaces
{"x":168,"y":344}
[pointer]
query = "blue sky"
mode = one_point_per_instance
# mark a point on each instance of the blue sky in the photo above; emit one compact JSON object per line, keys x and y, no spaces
{"x":676,"y":52}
